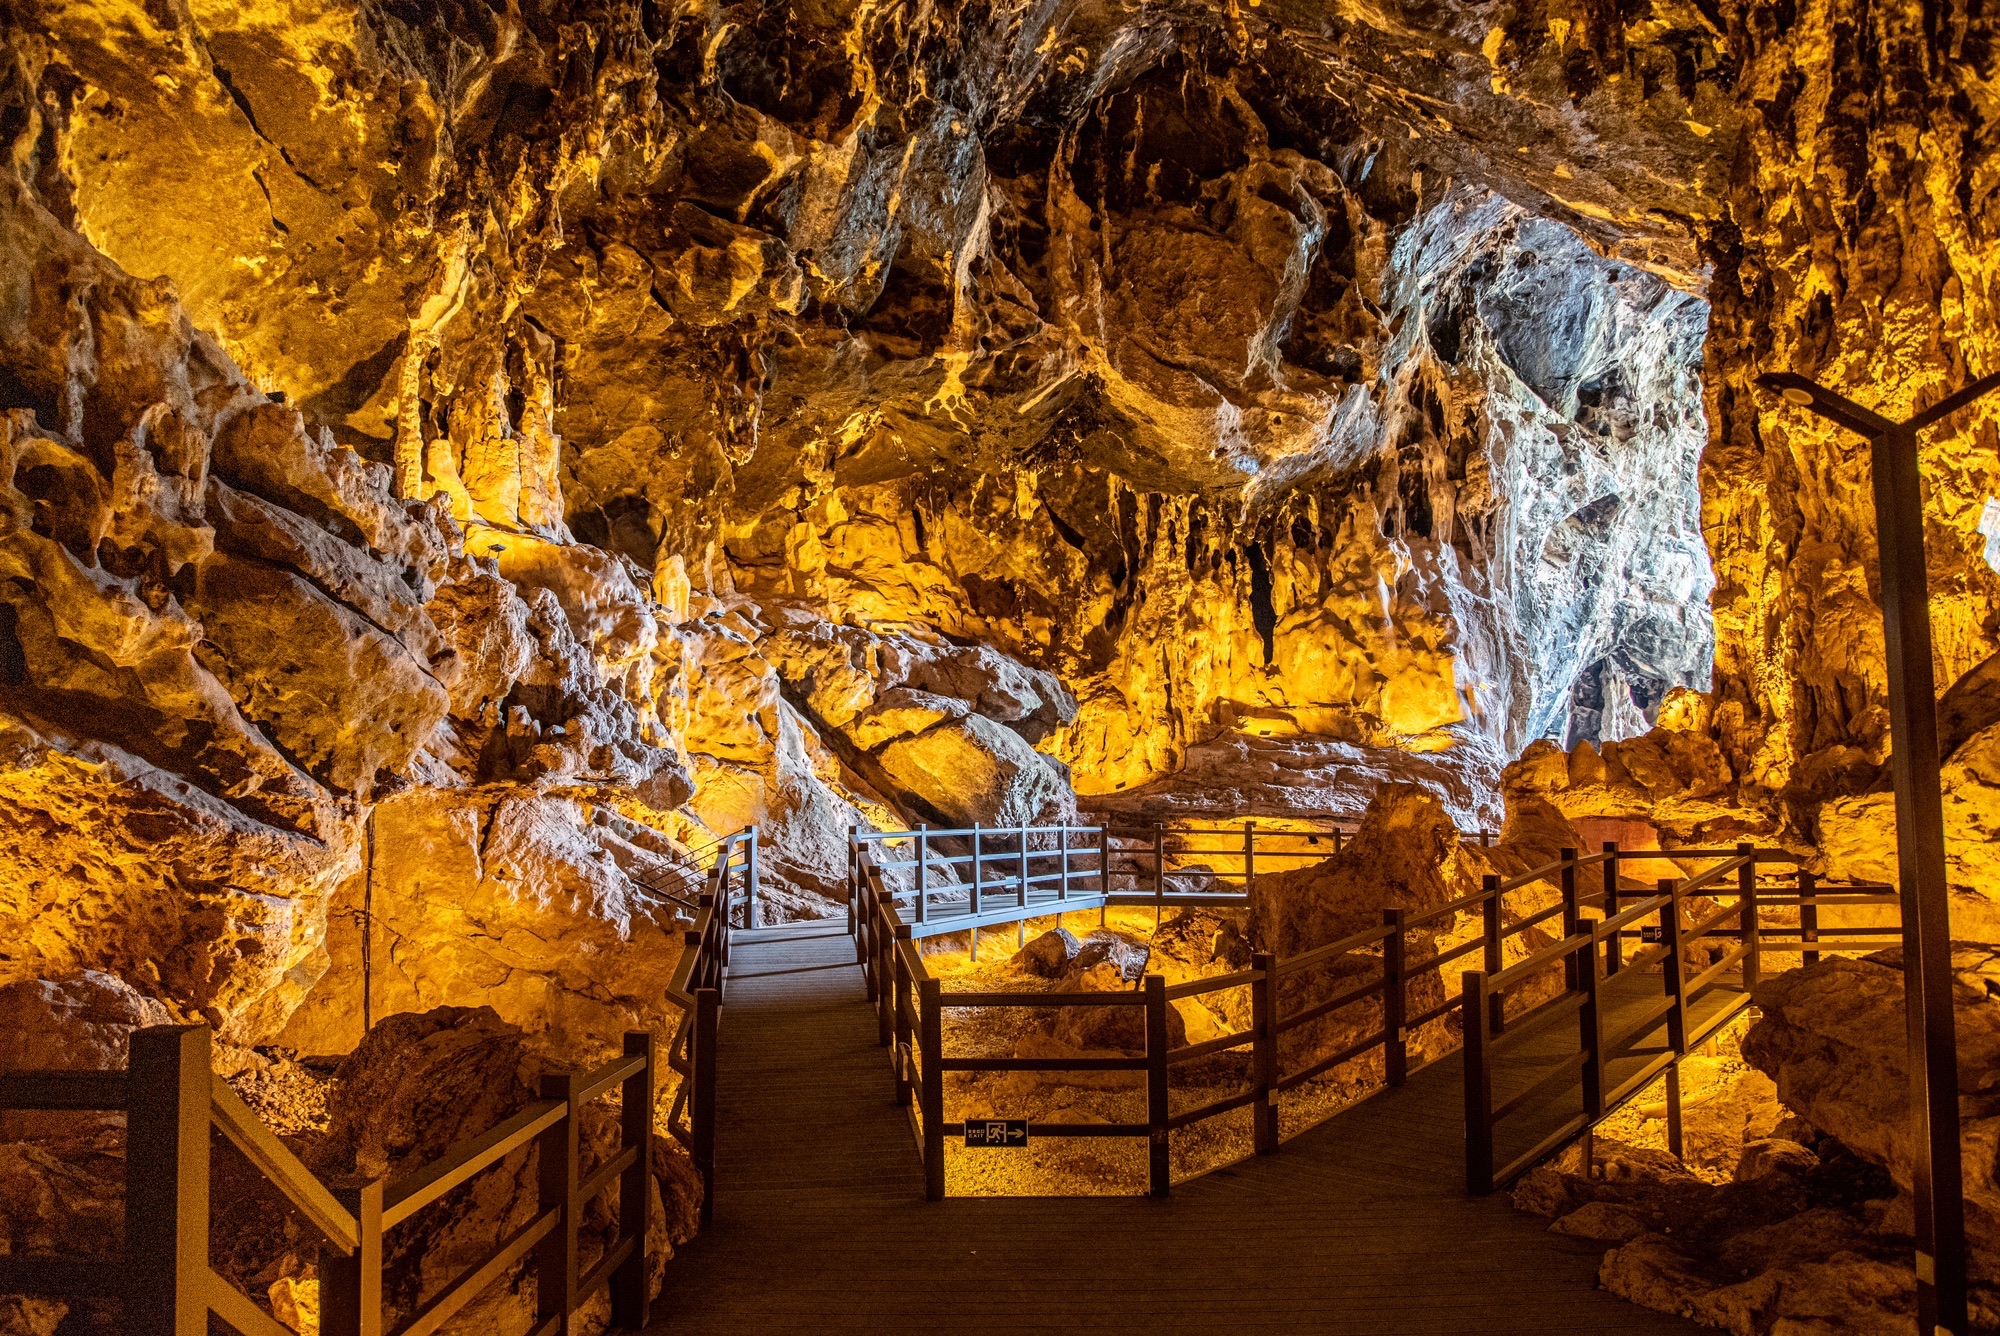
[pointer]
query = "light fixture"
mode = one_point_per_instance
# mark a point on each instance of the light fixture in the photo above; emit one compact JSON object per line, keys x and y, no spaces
{"x":1938,"y":1183}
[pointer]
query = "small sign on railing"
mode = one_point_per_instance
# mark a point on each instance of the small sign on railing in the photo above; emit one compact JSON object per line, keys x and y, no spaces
{"x":1010,"y":1133}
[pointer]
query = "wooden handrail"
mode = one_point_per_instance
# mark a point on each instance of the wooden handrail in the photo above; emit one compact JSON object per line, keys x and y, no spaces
{"x":280,"y":1168}
{"x":172,"y":1097}
{"x":419,"y":1188}
{"x":910,"y":1008}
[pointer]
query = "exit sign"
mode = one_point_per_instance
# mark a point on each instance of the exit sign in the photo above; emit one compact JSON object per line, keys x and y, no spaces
{"x":1011,"y":1133}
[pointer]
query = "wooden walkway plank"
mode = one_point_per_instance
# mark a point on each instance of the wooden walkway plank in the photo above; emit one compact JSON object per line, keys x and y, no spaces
{"x":1360,"y":1225}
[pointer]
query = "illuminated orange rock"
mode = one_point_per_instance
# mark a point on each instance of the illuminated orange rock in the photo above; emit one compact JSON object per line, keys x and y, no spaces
{"x":513,"y":900}
{"x":1833,"y":1036}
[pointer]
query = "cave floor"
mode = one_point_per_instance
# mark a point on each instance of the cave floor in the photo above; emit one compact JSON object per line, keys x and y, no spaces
{"x":1361,"y":1224}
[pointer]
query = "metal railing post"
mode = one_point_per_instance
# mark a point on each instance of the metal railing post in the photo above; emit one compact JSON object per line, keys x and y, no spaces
{"x":1062,"y":875}
{"x":923,"y":871}
{"x":1249,"y":857}
{"x":350,"y":1284}
{"x":978,"y":856}
{"x":630,"y":1302}
{"x":1490,"y":907}
{"x":1159,"y":1173}
{"x":1478,"y":1086}
{"x":166,"y":1181}
{"x":930,"y":1017}
{"x":555,"y":1255}
{"x":1159,"y":872}
{"x":1746,"y":888}
{"x":1023,"y":898}
{"x":1614,"y":954}
{"x":1808,"y":915}
{"x":1395,"y":1000}
{"x":701,"y":1117}
{"x":1103,"y":874}
{"x":752,"y":916}
{"x":1264,"y":1054}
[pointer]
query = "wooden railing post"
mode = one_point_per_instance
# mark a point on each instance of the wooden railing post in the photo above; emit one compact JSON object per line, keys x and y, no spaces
{"x":1336,"y":839}
{"x":1590,"y":1034}
{"x":630,"y":1302}
{"x":1572,"y":919}
{"x":880,"y":991}
{"x":1614,"y":955}
{"x":1478,"y":1086}
{"x":1159,"y":1173}
{"x":1395,"y":1000}
{"x":166,"y":1181}
{"x":854,"y":891}
{"x":555,"y":1255}
{"x":923,"y":871}
{"x":1264,"y":1053}
{"x":1673,"y":970}
{"x":350,"y":1284}
{"x":1675,"y":1146}
{"x":701,"y":1104}
{"x":1808,"y":915}
{"x":1746,"y":889}
{"x":900,"y":1000}
{"x":1493,"y":957}
{"x":930,"y":1019}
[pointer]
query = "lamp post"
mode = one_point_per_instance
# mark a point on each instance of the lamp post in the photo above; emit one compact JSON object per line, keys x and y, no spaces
{"x":1938,"y":1185}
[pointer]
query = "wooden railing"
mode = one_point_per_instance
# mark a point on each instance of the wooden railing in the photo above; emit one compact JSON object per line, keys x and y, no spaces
{"x":1685,"y":920}
{"x":910,"y":1002}
{"x":171,"y":1097}
{"x":697,"y":988}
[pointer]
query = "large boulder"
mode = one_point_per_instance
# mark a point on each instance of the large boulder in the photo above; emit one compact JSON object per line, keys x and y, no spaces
{"x":521,"y":900}
{"x":420,"y":1083}
{"x":1832,"y":1036}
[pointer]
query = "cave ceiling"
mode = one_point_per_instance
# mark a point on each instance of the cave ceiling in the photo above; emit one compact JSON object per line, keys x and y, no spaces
{"x":975,"y":315}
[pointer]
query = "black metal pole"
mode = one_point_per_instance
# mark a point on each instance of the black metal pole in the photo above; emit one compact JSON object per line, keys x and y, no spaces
{"x":1937,"y":1179}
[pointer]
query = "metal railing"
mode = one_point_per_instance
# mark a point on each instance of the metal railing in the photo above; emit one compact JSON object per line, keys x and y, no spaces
{"x":910,"y":1002}
{"x":171,"y":1097}
{"x":965,"y":879}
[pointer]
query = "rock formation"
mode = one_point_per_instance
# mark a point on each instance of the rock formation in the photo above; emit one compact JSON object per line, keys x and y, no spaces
{"x":455,"y":462}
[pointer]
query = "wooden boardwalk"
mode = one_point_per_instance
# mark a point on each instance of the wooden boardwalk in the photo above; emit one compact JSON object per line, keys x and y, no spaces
{"x":1361,"y":1225}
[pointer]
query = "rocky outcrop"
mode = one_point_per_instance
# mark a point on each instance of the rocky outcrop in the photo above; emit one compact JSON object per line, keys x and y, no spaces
{"x":420,"y":1083}
{"x":1833,"y":1037}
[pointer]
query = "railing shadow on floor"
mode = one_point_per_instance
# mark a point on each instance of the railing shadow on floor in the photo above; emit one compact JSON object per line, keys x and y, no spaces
{"x":1056,"y":870}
